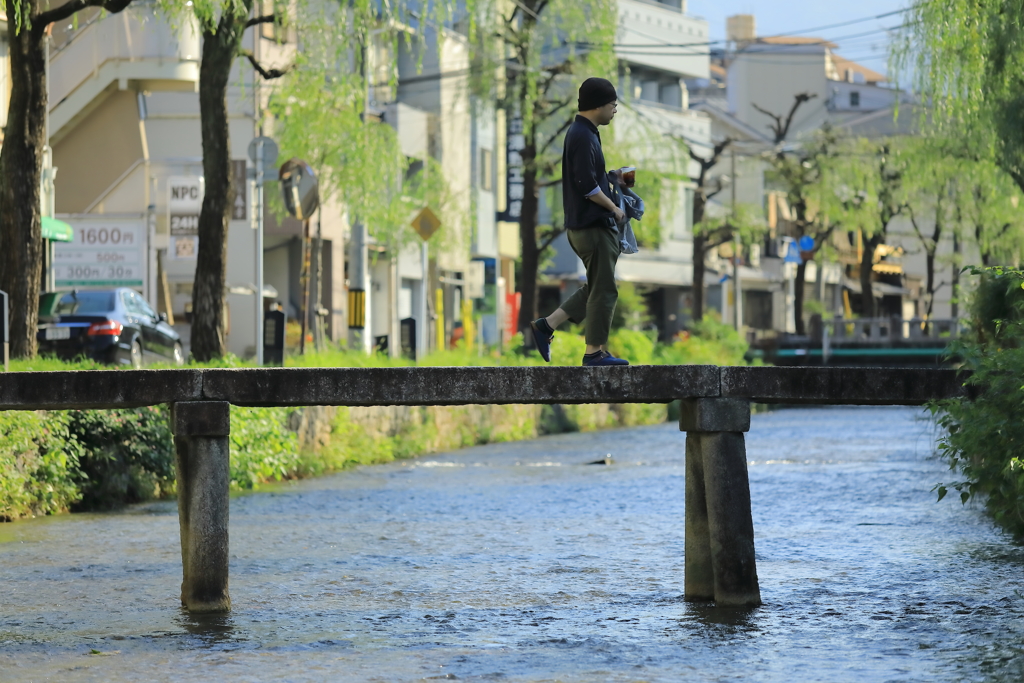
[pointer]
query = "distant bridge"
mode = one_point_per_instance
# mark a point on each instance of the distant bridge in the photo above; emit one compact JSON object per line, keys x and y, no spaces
{"x":892,"y":341}
{"x":719,"y":545}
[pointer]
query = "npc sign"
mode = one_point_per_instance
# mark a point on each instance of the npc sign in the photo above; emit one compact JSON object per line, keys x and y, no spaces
{"x":103,"y":253}
{"x":184,"y":202}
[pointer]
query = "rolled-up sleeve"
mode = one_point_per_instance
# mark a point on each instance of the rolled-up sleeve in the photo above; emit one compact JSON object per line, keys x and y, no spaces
{"x":584,"y":167}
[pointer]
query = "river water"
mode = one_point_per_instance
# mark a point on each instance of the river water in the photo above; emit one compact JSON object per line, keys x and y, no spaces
{"x":519,"y":562}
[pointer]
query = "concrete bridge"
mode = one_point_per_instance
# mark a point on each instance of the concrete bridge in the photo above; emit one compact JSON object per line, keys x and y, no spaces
{"x":719,"y":559}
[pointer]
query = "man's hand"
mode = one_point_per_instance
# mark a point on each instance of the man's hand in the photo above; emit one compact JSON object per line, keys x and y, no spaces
{"x":602,"y":200}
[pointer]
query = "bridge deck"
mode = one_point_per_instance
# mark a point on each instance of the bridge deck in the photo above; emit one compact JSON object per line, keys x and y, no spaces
{"x":475,"y":385}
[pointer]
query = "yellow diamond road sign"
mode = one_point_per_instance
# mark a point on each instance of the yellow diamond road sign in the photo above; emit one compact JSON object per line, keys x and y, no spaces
{"x":426,"y":223}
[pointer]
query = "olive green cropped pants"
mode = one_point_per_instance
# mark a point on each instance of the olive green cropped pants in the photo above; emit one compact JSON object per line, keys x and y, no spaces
{"x":598,"y":248}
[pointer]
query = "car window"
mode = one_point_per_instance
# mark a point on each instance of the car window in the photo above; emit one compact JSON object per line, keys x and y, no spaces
{"x":145,"y":307}
{"x":85,"y":303}
{"x":131,"y":302}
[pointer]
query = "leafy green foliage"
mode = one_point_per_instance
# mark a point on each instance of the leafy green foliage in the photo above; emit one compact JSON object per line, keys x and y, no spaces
{"x":983,"y":435}
{"x":631,"y":309}
{"x":38,"y":464}
{"x":967,"y":57}
{"x":319,"y":115}
{"x":262,"y":447}
{"x":127,"y":456}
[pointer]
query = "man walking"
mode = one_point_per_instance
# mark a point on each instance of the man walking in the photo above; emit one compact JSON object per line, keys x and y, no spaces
{"x":592,"y":220}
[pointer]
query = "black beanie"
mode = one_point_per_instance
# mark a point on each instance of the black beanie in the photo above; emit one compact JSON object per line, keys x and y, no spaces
{"x":595,"y":93}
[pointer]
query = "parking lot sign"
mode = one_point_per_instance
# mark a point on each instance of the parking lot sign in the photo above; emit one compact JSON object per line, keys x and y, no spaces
{"x":104,"y":252}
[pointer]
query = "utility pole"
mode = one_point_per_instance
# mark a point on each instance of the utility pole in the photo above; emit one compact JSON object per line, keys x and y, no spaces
{"x":360,"y":316}
{"x":737,"y":308}
{"x":258,"y":197}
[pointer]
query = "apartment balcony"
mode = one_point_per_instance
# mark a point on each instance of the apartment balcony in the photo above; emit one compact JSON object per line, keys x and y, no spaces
{"x":649,"y":32}
{"x":133,"y":49}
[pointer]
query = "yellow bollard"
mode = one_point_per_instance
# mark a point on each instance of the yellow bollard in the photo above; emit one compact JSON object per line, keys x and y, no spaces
{"x":468,"y":326}
{"x":441,"y":345}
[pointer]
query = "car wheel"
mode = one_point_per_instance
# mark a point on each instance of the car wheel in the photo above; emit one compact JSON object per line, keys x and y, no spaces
{"x":178,"y":355}
{"x":136,"y":355}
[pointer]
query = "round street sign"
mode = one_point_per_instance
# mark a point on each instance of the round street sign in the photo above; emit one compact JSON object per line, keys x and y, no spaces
{"x":806,"y":243}
{"x":270,"y":151}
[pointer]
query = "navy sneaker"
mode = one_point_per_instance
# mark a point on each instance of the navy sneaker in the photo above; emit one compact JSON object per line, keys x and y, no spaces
{"x":602,"y":358}
{"x":542,"y":338}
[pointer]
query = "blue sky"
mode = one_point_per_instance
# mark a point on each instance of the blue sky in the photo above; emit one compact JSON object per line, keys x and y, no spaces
{"x":783,"y":16}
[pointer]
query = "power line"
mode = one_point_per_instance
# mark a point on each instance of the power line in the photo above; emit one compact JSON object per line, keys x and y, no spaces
{"x":775,"y":49}
{"x":787,"y":34}
{"x":655,"y":50}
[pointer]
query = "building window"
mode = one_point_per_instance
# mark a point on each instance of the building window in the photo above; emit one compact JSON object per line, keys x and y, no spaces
{"x":854,"y":99}
{"x":486,"y":171}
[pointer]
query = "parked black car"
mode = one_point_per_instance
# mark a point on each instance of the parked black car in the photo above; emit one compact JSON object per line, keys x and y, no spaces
{"x":115,"y":326}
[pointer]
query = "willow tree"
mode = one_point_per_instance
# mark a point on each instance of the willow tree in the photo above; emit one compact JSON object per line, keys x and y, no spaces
{"x":868,"y":180}
{"x":706,"y":235}
{"x":21,"y":159}
{"x":800,"y":171}
{"x":988,"y":215}
{"x":319,"y":114}
{"x":222,"y":25}
{"x":967,"y":60}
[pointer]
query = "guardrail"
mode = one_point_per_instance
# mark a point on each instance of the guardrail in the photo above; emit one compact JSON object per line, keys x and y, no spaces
{"x":719,"y":562}
{"x":885,"y":331}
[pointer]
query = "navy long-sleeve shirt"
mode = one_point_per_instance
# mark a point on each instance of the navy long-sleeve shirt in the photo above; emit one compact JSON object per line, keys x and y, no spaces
{"x":583,"y":172}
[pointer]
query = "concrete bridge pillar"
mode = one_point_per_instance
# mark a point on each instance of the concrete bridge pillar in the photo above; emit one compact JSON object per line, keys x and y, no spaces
{"x":202,"y":465}
{"x":719,"y":562}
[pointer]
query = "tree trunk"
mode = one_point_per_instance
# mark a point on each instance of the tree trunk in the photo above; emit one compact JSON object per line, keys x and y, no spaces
{"x":867,"y":261}
{"x":220,"y":45}
{"x":530,"y":260}
{"x":798,"y":296}
{"x":699,"y":249}
{"x":929,"y":262}
{"x":700,"y":242}
{"x":954,"y":305}
{"x":21,"y":163}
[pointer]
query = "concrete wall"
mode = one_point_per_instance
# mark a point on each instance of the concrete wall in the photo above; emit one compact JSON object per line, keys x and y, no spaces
{"x":770,"y":76}
{"x":649,"y":23}
{"x":92,"y":156}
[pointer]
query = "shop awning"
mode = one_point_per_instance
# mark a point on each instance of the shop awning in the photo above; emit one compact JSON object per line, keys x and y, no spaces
{"x":877,"y":288}
{"x":56,"y":230}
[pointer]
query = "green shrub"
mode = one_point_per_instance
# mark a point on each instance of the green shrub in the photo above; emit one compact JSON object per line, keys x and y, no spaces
{"x":631,"y":310}
{"x":127,"y":455}
{"x":38,"y":464}
{"x":635,"y":346}
{"x":983,"y":434}
{"x":262,"y":447}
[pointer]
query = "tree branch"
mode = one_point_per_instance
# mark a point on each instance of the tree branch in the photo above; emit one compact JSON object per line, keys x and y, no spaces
{"x":44,"y":19}
{"x":716,"y":153}
{"x":265,"y":73}
{"x":917,"y":229}
{"x":554,"y":136}
{"x":549,"y":240}
{"x":780,"y":129}
{"x":265,"y":19}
